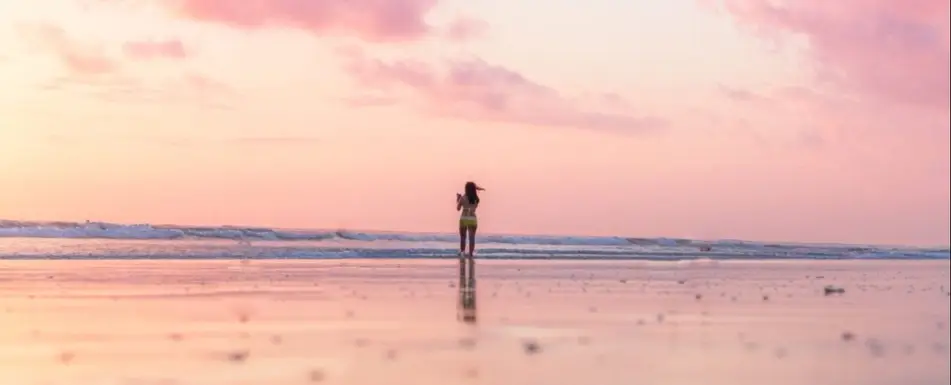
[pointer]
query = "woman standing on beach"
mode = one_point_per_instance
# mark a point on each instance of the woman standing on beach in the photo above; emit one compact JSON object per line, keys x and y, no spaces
{"x":468,"y":223}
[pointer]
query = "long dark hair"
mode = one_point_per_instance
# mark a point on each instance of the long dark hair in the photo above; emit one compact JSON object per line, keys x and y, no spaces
{"x":471,"y":193}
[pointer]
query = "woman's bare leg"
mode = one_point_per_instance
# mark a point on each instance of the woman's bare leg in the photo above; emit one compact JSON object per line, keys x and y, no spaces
{"x":462,"y":239}
{"x":472,"y":234}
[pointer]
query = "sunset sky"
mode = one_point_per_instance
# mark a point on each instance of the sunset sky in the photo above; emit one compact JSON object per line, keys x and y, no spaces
{"x":805,"y":120}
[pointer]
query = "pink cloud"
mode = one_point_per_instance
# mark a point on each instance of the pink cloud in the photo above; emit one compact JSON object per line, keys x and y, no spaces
{"x":370,"y":20}
{"x":205,"y":84}
{"x":369,"y":101}
{"x":79,"y":59}
{"x":150,"y":49}
{"x":89,"y":69}
{"x":191,"y":89}
{"x":478,"y":91}
{"x":895,"y":50}
{"x":740,"y":94}
{"x":465,"y":28}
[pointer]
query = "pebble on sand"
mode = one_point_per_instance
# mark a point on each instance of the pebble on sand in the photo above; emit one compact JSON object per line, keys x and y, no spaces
{"x":875,"y":347}
{"x":238,"y":357}
{"x":830,"y":290}
{"x":848,"y":336}
{"x":66,"y":357}
{"x":531,"y":347}
{"x":471,"y":373}
{"x":317,"y":375}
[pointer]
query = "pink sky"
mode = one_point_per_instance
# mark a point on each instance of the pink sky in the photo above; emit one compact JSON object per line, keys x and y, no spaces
{"x":806,"y":120}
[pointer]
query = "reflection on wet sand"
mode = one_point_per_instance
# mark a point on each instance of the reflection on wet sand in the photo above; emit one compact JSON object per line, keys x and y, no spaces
{"x":467,"y":290}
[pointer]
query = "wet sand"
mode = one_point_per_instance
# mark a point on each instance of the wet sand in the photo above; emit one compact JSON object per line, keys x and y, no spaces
{"x":381,"y":322}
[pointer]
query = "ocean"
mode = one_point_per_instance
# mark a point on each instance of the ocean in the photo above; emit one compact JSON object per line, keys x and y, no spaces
{"x":99,"y":240}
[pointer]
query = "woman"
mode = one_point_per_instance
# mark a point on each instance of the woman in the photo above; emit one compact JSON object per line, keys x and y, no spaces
{"x":468,"y":223}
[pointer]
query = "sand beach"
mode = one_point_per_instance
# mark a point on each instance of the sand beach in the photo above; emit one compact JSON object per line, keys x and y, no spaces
{"x":211,"y":322}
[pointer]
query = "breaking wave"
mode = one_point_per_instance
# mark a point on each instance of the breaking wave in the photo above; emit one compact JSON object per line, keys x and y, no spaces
{"x":170,"y":241}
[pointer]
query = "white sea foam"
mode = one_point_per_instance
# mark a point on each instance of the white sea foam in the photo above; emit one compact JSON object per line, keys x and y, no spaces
{"x":110,"y":240}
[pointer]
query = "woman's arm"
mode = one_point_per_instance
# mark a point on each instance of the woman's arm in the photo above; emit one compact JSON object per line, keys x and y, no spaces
{"x":458,"y":201}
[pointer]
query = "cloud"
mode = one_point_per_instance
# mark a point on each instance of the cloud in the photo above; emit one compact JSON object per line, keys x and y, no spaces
{"x":85,"y":59}
{"x":79,"y":59}
{"x":91,"y":70}
{"x":856,"y":132}
{"x":369,"y":20}
{"x":282,"y":141}
{"x":897,"y":51}
{"x":155,"y":49}
{"x":369,"y":100}
{"x":72,"y":138}
{"x":207,"y":85}
{"x":464,"y":29}
{"x":188,"y":89}
{"x":741,"y":94}
{"x":478,"y":91}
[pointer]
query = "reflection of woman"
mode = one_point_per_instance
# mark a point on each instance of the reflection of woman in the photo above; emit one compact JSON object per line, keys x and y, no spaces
{"x":468,"y":223}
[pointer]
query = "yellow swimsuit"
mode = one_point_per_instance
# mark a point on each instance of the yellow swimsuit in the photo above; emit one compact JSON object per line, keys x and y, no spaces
{"x":467,"y":221}
{"x":468,"y":217}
